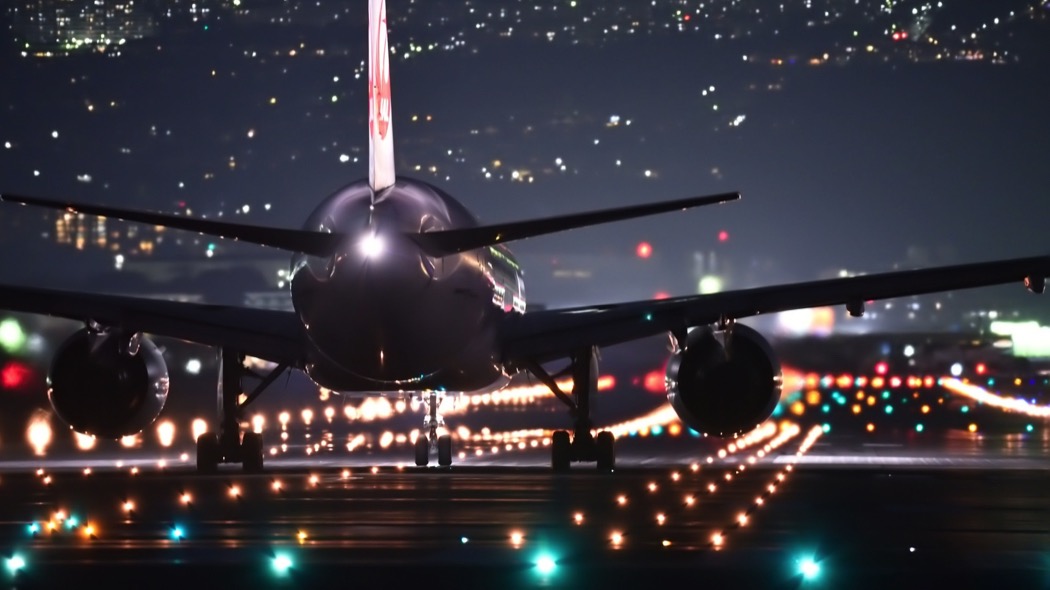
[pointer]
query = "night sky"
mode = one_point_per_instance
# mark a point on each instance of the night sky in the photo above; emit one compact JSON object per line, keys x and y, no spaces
{"x":863,"y":160}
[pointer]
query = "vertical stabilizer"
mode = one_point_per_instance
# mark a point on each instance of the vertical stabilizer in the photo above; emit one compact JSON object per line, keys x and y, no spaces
{"x":380,"y":124}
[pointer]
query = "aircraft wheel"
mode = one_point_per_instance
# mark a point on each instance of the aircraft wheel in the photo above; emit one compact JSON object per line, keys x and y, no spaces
{"x":561,"y":450}
{"x":605,"y":452}
{"x":422,"y":451}
{"x":444,"y":450}
{"x":252,"y":452}
{"x":208,"y":453}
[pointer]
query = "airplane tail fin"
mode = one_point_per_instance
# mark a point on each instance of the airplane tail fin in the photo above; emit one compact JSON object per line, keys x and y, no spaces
{"x":380,"y":123}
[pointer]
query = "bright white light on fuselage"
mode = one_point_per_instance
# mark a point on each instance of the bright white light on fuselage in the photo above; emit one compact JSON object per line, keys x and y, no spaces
{"x":372,"y":246}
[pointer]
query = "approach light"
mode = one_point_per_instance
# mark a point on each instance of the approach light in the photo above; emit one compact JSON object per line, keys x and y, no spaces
{"x":809,"y":568}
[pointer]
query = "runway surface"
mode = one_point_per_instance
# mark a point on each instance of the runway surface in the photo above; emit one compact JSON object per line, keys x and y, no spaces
{"x":867,"y":512}
{"x":853,"y":484}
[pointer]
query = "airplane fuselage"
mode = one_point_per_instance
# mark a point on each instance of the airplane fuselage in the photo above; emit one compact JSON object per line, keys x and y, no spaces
{"x":382,"y":316}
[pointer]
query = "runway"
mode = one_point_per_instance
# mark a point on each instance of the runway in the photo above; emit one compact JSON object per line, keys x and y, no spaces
{"x":739,"y":519}
{"x":908,"y":485}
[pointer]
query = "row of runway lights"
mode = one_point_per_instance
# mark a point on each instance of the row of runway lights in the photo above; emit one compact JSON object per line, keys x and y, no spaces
{"x":766,"y":431}
{"x":962,"y":387}
{"x":769,"y":433}
{"x":39,"y":433}
{"x":654,"y":421}
{"x":546,"y":562}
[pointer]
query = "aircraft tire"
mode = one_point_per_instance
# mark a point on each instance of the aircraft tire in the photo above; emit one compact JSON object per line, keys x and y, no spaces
{"x":444,"y":450}
{"x":561,"y":450}
{"x":208,"y":453}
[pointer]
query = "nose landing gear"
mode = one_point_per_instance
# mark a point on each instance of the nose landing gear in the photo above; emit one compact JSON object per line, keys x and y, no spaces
{"x":442,"y":444}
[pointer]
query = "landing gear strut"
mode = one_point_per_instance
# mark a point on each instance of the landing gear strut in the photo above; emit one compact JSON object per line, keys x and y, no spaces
{"x":431,"y":423}
{"x":228,"y":445}
{"x":584,"y":446}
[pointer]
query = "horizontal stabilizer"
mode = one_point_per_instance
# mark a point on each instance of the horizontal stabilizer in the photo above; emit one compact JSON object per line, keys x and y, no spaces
{"x":293,"y":240}
{"x":442,"y":243}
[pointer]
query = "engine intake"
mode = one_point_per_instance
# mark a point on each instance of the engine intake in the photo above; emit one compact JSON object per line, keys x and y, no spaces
{"x":724,"y":390}
{"x":108,"y":385}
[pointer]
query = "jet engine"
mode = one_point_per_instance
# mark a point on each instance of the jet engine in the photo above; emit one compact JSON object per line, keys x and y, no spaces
{"x":724,"y":384}
{"x":108,"y":384}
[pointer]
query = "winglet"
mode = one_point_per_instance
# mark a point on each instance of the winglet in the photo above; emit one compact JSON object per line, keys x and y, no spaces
{"x":380,"y":123}
{"x":445,"y":242}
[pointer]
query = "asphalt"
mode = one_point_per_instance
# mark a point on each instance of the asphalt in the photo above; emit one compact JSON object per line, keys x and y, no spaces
{"x":373,"y":522}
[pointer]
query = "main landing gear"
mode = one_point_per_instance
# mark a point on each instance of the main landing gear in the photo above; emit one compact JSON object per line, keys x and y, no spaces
{"x":228,"y":445}
{"x":583,"y":446}
{"x":431,"y":423}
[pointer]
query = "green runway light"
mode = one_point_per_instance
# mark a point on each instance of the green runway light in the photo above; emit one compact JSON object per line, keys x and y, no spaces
{"x":545,"y":564}
{"x":919,"y":427}
{"x":282,"y":563}
{"x":15,"y":563}
{"x":809,"y":568}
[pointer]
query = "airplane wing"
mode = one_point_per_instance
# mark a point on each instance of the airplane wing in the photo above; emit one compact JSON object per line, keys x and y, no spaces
{"x":550,"y":334}
{"x":270,"y":335}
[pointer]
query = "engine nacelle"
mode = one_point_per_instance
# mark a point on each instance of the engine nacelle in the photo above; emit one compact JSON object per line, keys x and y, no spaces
{"x":108,"y":384}
{"x":724,"y":390}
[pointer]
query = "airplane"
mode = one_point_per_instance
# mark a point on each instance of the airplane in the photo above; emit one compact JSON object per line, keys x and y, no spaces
{"x":397,"y":290}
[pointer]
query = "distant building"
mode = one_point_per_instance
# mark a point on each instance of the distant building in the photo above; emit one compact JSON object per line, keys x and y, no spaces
{"x":57,"y":27}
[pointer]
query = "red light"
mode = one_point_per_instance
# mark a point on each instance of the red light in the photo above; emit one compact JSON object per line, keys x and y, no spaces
{"x":687,"y":17}
{"x":981,"y":368}
{"x":881,"y":368}
{"x":661,"y":295}
{"x":14,"y":375}
{"x":723,"y":236}
{"x":644,"y":250}
{"x":654,"y":382}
